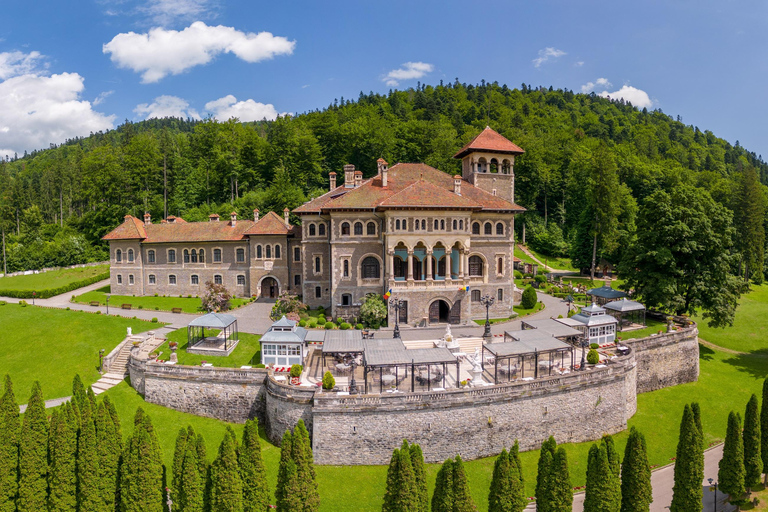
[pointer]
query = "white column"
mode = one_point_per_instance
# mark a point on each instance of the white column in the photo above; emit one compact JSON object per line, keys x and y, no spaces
{"x":429,"y":266}
{"x":410,"y":265}
{"x":448,"y":265}
{"x":391,"y":265}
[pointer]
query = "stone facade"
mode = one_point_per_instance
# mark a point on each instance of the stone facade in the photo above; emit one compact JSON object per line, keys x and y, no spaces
{"x":667,"y":359}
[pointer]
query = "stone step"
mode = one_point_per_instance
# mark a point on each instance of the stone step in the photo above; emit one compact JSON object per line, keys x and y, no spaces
{"x":99,"y":385}
{"x":114,"y":376}
{"x":111,"y":382}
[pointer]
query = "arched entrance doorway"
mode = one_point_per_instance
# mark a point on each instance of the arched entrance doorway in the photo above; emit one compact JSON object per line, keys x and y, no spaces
{"x":269,"y":288}
{"x":439,"y":312}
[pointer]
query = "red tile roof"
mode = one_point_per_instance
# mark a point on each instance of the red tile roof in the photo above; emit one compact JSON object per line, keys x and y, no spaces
{"x":270,"y":224}
{"x":490,"y":140}
{"x":131,"y":229}
{"x":433,"y":193}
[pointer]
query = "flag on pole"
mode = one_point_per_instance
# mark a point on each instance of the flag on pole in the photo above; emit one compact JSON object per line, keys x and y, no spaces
{"x":388,"y":294}
{"x":464,"y":288}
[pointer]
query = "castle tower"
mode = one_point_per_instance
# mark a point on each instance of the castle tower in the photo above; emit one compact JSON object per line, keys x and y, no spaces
{"x":488,"y":162}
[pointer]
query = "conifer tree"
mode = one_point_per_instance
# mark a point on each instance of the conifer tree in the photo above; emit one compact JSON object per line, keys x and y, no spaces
{"x":613,"y":455}
{"x":546,"y":458}
{"x":561,"y":492}
{"x":301,"y":454}
{"x":600,"y":493}
{"x":179,"y":453}
{"x":420,"y":475}
{"x":696,"y":410}
{"x":62,"y":452}
{"x":226,"y":485}
{"x":142,"y":470}
{"x":686,"y":491}
{"x":78,"y":393}
{"x":115,"y":418}
{"x":500,"y":497}
{"x":636,"y":491}
{"x":462,"y":496}
{"x":514,"y":458}
{"x":731,"y":471}
{"x":442,"y":498}
{"x":204,"y":469}
{"x":764,"y":429}
{"x":88,"y":485}
{"x":252,"y":471}
{"x":191,"y":485}
{"x":33,"y":455}
{"x":109,"y":447}
{"x":401,"y":494}
{"x":10,"y":430}
{"x":285,"y":485}
{"x":753,"y":462}
{"x":290,"y":502}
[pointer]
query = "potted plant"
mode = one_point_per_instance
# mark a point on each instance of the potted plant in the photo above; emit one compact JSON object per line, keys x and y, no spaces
{"x":173,"y":345}
{"x":295,"y":374}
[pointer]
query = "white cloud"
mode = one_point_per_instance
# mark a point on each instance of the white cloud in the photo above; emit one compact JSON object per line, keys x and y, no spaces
{"x":101,"y":97}
{"x":578,"y":64}
{"x":166,"y":12}
{"x":591,"y":86}
{"x":408,"y":71}
{"x":228,"y":107}
{"x":546,"y":54}
{"x":40,"y":110}
{"x":166,"y":106}
{"x":19,"y":63}
{"x":637,"y":97}
{"x":162,"y":52}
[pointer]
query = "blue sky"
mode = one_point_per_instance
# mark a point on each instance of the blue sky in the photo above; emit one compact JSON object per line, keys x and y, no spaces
{"x":71,"y":67}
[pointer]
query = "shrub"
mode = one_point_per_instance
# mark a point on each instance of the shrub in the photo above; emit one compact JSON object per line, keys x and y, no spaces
{"x":339,"y":320}
{"x":518,"y":274}
{"x":216,"y":297}
{"x":285,"y":305}
{"x":359,"y":326}
{"x":23,"y":303}
{"x":141,"y":307}
{"x":296,"y":370}
{"x":592,"y":356}
{"x":540,"y":278}
{"x":98,"y":312}
{"x":302,"y":323}
{"x":329,"y":325}
{"x":154,"y":320}
{"x":529,"y":298}
{"x":155,"y":295}
{"x":594,"y":346}
{"x":344,"y":326}
{"x":261,"y":365}
{"x":3,"y":303}
{"x":157,"y":308}
{"x":321,"y":311}
{"x":373,"y":310}
{"x":328,"y":381}
{"x":312,"y":323}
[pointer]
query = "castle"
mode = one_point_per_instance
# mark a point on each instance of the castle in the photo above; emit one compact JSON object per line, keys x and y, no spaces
{"x":437,"y":242}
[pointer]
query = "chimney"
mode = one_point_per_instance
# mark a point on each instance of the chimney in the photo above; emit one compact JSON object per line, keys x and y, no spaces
{"x":358,"y":178}
{"x":233,"y":217}
{"x":457,"y":185}
{"x":285,"y":216}
{"x":383,"y":168}
{"x":349,"y":176}
{"x":256,"y":215}
{"x":332,"y":175}
{"x":147,"y":219}
{"x":213,"y":217}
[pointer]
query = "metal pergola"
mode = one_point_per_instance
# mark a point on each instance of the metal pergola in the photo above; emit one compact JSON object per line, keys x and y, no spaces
{"x":342,"y":343}
{"x":408,"y":370}
{"x":227,"y":324}
{"x":512,"y":358}
{"x":629,"y":308}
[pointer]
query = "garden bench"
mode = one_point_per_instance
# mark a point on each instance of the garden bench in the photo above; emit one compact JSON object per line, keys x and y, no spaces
{"x":95,"y":303}
{"x":176,"y":310}
{"x":125,"y":306}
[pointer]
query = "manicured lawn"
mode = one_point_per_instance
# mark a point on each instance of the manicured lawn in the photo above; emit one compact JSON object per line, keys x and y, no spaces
{"x":187,"y":304}
{"x":652,"y":326}
{"x":521,"y":311}
{"x":554,"y":262}
{"x":615,"y":283}
{"x":494,"y":320}
{"x":50,"y":280}
{"x":52,"y":345}
{"x":247,"y":352}
{"x":519,"y":254}
{"x":748,"y":333}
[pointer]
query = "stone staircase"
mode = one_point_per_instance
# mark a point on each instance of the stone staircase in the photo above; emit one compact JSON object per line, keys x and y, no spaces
{"x":117,"y":371}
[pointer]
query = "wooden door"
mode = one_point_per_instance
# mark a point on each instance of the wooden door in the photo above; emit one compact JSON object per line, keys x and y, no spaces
{"x":404,"y":313}
{"x":455,"y":315}
{"x":434,"y":312}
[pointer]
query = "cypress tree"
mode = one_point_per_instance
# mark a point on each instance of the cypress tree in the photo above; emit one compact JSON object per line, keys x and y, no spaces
{"x":191,"y":485}
{"x":10,"y":430}
{"x":753,"y":462}
{"x":696,"y":410}
{"x":462,"y":497}
{"x":636,"y":491}
{"x":546,"y":458}
{"x":88,"y":485}
{"x":226,"y":485}
{"x":764,"y":428}
{"x":514,"y":459}
{"x":401,"y":494}
{"x":613,"y":455}
{"x":78,"y":393}
{"x":285,"y":486}
{"x":301,"y":454}
{"x":686,"y":492}
{"x":115,"y":418}
{"x":204,"y":469}
{"x":290,"y":502}
{"x":179,"y":453}
{"x":252,"y":472}
{"x":731,"y":471}
{"x":500,"y":495}
{"x":597,"y":497}
{"x":420,"y":474}
{"x":141,"y":474}
{"x":109,"y":447}
{"x":62,"y":452}
{"x":442,"y":498}
{"x":33,"y":455}
{"x":560,"y":490}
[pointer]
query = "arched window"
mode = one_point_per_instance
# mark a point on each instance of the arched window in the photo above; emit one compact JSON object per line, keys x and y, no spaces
{"x":494,"y":165}
{"x":130,"y":279}
{"x":277,"y":252}
{"x":346,"y":268}
{"x":217,"y":255}
{"x":318,"y":292}
{"x":258,"y":252}
{"x":317,"y":264}
{"x":506,"y":167}
{"x":370,"y":268}
{"x":268,"y":251}
{"x":217,"y":279}
{"x":311,"y":230}
{"x":487,"y":228}
{"x":442,"y":224}
{"x":240,"y":255}
{"x":476,"y":228}
{"x":437,"y":225}
{"x":345,"y":228}
{"x":358,"y":228}
{"x":500,"y":294}
{"x":370,"y":228}
{"x":423,"y":225}
{"x":186,"y":256}
{"x":202,"y":256}
{"x":401,"y":268}
{"x":171,"y":255}
{"x":397,"y":224}
{"x":461,"y":224}
{"x":118,"y":256}
{"x":499,"y":228}
{"x":455,"y":224}
{"x":193,"y":256}
{"x":321,"y":229}
{"x":152,"y":279}
{"x":119,"y":279}
{"x":172,"y":279}
{"x":150,"y":256}
{"x":475,"y":266}
{"x":482,"y":165}
{"x":130,"y":255}
{"x":416,"y":224}
{"x":500,"y":266}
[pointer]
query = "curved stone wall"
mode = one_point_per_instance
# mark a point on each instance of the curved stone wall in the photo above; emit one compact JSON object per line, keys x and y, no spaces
{"x":285,"y":406}
{"x":666,"y":359}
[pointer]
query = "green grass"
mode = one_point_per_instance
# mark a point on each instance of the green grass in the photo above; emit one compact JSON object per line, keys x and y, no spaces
{"x":519,"y":254}
{"x":52,"y":345}
{"x":521,"y":311}
{"x":247,"y":352}
{"x":494,"y":320}
{"x":553,"y":262}
{"x":187,"y":304}
{"x":748,"y":333}
{"x":652,"y":327}
{"x":50,"y":280}
{"x":615,"y":283}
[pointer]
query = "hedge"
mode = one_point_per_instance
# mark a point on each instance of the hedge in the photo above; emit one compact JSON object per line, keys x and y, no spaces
{"x":51,"y":292}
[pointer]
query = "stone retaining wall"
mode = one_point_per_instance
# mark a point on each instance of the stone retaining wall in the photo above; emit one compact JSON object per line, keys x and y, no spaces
{"x":285,"y":406}
{"x":666,"y":359}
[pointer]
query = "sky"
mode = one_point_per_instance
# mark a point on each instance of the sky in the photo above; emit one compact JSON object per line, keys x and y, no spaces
{"x":69,"y":68}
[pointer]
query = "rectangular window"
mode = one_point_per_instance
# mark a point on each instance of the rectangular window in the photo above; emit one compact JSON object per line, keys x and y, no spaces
{"x":217,"y":255}
{"x":282,"y":350}
{"x":217,"y":279}
{"x":500,"y":294}
{"x":297,"y":254}
{"x":152,"y":279}
{"x":297,"y":280}
{"x":151,"y":256}
{"x":119,"y":279}
{"x":240,"y":280}
{"x":130,"y":279}
{"x":318,"y":292}
{"x":294,"y":350}
{"x":172,"y":256}
{"x":172,"y":279}
{"x":240,"y":255}
{"x":475,"y":295}
{"x":270,"y":350}
{"x":195,"y":279}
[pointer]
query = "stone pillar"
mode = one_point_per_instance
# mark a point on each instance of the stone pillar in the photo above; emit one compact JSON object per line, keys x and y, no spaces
{"x":410,"y":265}
{"x":391,"y":265}
{"x":461,"y":263}
{"x":429,"y":266}
{"x":448,"y":265}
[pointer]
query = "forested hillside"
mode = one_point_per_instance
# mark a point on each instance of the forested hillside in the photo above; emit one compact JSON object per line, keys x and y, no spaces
{"x":590,"y":164}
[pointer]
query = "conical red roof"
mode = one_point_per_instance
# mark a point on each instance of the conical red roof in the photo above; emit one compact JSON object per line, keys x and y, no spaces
{"x":490,"y":140}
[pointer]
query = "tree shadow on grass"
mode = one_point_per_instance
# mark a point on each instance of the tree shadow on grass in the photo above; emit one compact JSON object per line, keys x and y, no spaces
{"x":706,"y":353}
{"x":754,"y":363}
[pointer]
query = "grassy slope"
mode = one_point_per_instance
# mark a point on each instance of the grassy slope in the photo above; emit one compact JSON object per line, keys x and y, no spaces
{"x":187,"y":304}
{"x":52,"y":279}
{"x":652,"y":326}
{"x":554,"y":262}
{"x":748,"y":333}
{"x":52,"y":345}
{"x":248,"y":351}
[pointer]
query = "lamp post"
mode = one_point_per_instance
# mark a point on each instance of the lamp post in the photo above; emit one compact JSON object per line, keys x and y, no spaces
{"x":710,"y":480}
{"x":33,"y":297}
{"x":396,"y":304}
{"x":487,"y":301}
{"x":352,"y":383}
{"x":101,"y":360}
{"x":584,"y":345}
{"x":107,"y":303}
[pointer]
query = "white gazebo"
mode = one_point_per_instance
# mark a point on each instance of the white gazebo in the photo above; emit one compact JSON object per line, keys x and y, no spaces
{"x":283,"y":344}
{"x":600,"y":327}
{"x":626,"y":312}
